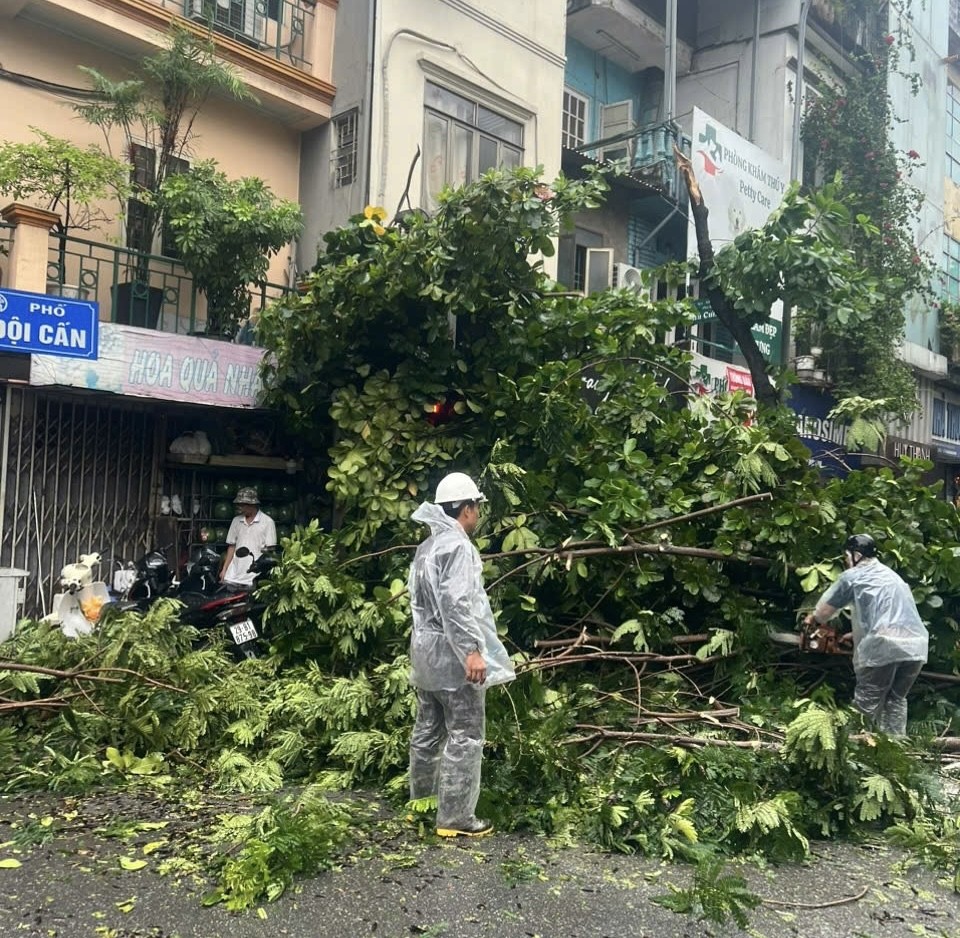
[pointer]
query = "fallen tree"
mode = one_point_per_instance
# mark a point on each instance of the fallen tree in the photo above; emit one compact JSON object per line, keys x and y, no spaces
{"x":640,"y":545}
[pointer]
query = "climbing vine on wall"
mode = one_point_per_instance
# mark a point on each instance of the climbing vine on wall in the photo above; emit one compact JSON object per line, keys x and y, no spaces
{"x":847,"y":134}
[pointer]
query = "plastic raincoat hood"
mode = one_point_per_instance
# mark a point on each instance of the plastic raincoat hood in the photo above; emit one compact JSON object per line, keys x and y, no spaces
{"x":451,"y":612}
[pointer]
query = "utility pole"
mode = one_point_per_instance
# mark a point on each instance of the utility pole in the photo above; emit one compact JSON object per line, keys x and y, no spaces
{"x":670,"y":64}
{"x":796,"y":153}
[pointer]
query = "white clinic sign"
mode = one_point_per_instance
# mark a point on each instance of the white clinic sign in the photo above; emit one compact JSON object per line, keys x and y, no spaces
{"x":741,"y":184}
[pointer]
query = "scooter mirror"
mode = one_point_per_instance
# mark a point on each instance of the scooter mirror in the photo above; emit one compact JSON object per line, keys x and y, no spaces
{"x":243,"y":552}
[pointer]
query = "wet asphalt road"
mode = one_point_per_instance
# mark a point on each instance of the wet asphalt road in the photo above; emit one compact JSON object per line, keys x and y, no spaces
{"x":509,"y":886}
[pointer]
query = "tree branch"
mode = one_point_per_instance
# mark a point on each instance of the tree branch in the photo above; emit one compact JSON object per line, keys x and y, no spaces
{"x":763,"y":388}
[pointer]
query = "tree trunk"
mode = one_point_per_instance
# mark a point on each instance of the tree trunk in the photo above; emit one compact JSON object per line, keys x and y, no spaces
{"x":764,"y":391}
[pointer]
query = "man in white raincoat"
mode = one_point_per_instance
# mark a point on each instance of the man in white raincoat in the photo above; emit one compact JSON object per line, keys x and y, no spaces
{"x":889,"y":637}
{"x":455,"y":655}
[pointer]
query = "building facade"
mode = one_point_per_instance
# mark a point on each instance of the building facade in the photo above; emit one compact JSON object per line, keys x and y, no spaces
{"x":432,"y":94}
{"x":85,"y":459}
{"x":627,"y":95}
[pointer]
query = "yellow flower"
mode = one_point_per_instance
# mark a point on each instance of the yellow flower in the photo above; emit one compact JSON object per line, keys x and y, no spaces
{"x":378,"y":229}
{"x":375,"y":212}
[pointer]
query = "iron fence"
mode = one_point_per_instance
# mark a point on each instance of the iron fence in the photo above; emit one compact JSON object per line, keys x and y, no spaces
{"x":278,"y":28}
{"x":144,"y":290}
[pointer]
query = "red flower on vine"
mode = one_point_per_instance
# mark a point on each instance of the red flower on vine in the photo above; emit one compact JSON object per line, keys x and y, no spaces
{"x":888,"y":39}
{"x":913,"y":154}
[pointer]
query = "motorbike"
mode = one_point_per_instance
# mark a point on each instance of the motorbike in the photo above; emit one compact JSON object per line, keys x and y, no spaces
{"x":140,"y":584}
{"x":236,"y":612}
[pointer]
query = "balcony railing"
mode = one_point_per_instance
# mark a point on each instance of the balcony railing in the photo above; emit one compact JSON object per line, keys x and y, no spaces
{"x":278,"y":28}
{"x":650,"y":154}
{"x":142,"y":290}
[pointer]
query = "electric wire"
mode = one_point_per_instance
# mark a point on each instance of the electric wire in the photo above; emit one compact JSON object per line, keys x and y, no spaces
{"x":52,"y":87}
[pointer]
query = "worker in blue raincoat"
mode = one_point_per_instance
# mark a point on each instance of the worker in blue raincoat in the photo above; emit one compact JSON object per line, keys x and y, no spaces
{"x":455,"y":655}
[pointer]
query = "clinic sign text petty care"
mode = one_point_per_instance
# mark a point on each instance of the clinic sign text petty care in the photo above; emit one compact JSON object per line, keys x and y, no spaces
{"x":34,"y":322}
{"x":161,"y":365}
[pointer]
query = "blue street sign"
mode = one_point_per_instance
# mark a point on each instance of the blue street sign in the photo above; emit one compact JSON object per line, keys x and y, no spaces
{"x":48,"y":325}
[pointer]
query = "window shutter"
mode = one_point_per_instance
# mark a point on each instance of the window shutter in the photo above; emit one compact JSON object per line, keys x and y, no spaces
{"x":616,"y":119}
{"x":599,"y":272}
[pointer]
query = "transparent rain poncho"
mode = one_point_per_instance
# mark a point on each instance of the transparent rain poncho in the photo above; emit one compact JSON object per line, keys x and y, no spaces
{"x":451,"y":618}
{"x":451,"y":612}
{"x":886,"y":625}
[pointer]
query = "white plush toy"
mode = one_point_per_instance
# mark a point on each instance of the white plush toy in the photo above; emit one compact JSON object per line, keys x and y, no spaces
{"x":75,"y":576}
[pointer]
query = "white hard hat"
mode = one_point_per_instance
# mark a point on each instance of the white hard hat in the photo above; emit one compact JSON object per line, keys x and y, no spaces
{"x":458,"y":487}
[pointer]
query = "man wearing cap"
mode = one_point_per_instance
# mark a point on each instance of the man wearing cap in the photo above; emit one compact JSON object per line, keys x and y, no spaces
{"x":251,"y":529}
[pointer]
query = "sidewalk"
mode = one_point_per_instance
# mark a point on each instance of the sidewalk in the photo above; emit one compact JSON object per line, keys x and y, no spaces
{"x":508,"y":886}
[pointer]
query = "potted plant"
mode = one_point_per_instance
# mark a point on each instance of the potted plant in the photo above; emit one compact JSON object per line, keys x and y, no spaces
{"x":154,"y":113}
{"x":225,"y":231}
{"x":58,"y":174}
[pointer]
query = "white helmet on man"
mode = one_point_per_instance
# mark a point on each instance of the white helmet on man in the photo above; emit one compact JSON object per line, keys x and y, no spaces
{"x":458,"y":487}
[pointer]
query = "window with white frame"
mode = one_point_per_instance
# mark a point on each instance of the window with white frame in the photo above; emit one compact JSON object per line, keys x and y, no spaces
{"x":462,"y":139}
{"x":951,"y":268}
{"x":953,"y":131}
{"x":574,"y":119}
{"x":343,"y":156}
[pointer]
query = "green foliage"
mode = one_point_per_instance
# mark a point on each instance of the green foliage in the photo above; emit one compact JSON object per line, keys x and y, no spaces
{"x":815,"y":738}
{"x":157,"y":109}
{"x":265,"y":852}
{"x":772,"y":819}
{"x":225,"y":232}
{"x":63,"y":175}
{"x":934,"y":838}
{"x":802,"y":255}
{"x":716,"y":894}
{"x":847,"y":136}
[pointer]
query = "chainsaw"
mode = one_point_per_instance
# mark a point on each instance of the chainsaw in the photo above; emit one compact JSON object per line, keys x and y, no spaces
{"x":817,"y":637}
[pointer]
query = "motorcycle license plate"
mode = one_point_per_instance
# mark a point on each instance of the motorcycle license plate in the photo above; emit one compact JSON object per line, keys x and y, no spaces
{"x":244,"y":631}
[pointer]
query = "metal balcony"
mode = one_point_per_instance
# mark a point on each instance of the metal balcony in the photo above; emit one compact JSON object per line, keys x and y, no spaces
{"x":278,"y":28}
{"x":649,"y":154}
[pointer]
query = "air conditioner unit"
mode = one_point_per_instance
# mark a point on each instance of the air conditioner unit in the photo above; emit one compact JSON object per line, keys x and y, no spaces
{"x":630,"y":278}
{"x":234,"y":17}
